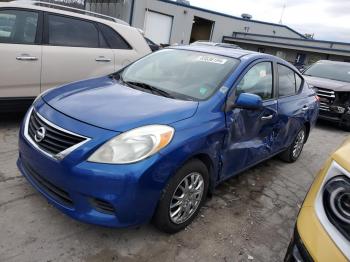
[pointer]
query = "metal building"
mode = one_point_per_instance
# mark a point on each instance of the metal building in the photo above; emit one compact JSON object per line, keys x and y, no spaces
{"x":177,"y":22}
{"x":169,"y":22}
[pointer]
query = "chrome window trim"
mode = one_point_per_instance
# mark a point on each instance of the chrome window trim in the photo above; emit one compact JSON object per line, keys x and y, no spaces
{"x":60,"y":155}
{"x":341,"y":242}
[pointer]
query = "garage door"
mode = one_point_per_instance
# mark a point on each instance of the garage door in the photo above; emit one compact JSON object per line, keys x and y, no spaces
{"x":158,"y":27}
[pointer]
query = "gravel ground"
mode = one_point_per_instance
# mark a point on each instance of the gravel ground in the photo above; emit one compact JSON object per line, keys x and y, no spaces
{"x":249,"y":218}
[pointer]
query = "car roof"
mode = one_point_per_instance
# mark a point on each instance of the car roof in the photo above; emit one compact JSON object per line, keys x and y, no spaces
{"x":333,"y":62}
{"x":217,"y":50}
{"x":64,"y":10}
{"x":241,"y":54}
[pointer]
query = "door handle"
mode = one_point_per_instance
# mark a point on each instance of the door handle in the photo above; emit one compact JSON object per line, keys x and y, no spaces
{"x":305,"y":108}
{"x":267,"y":117}
{"x":26,"y":57}
{"x":103,"y":59}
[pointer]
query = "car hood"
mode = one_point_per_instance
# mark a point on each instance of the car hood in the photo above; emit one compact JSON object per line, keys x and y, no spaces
{"x":105,"y":103}
{"x":335,"y":85}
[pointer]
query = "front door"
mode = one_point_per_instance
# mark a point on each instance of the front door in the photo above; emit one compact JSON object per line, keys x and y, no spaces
{"x":20,"y":62}
{"x":251,"y":133}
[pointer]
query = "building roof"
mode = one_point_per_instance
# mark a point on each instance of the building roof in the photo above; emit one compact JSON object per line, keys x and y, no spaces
{"x":318,"y":46}
{"x":231,"y":16}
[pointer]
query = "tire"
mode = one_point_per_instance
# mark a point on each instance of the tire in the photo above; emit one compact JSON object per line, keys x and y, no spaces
{"x":290,"y":155}
{"x":173,"y":194}
{"x":346,"y":128}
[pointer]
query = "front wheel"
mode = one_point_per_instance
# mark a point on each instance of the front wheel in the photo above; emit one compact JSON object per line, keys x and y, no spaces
{"x":182,"y":198}
{"x":294,"y":150}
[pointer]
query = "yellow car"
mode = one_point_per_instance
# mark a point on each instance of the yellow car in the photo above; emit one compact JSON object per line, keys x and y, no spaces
{"x":322,"y":231}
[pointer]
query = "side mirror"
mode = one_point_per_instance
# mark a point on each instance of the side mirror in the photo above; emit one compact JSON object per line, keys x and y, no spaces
{"x":249,"y":101}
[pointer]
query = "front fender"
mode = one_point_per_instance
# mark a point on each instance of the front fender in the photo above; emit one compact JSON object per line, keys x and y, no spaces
{"x":202,"y":139}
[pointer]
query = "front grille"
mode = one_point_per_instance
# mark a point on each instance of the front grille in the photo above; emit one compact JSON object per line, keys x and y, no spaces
{"x":55,"y":192}
{"x":55,"y":140}
{"x":327,"y":98}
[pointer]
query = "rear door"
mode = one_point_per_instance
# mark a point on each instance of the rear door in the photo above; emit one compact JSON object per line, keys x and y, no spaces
{"x":293,"y":105}
{"x":20,"y":62}
{"x":124,"y":54}
{"x":252,"y":132}
{"x":74,"y":50}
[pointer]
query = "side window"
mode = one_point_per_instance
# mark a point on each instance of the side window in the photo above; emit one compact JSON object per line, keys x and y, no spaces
{"x":114,"y":40}
{"x":258,"y":81}
{"x":298,"y":82}
{"x":288,"y":81}
{"x":64,"y":31}
{"x":18,"y":27}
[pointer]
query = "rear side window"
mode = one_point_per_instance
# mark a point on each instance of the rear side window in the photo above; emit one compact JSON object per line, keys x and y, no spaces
{"x":64,"y":31}
{"x":18,"y":27}
{"x":289,"y":82}
{"x":114,"y":40}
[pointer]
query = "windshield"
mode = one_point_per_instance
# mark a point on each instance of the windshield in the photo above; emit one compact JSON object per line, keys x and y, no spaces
{"x":183,"y":74}
{"x":339,"y":72}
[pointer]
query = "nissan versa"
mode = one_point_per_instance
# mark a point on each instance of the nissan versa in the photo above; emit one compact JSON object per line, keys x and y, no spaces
{"x":151,"y":140}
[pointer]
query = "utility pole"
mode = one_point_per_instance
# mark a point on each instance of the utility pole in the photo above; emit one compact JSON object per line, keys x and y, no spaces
{"x":283,"y":9}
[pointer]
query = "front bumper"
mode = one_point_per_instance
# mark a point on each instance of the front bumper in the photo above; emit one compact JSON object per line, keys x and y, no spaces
{"x":311,"y":239}
{"x":297,"y":251}
{"x":108,"y":195}
{"x":342,"y":119}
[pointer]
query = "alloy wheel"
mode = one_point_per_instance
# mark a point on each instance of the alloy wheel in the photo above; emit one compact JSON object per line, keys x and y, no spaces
{"x":299,"y":144}
{"x":186,"y":198}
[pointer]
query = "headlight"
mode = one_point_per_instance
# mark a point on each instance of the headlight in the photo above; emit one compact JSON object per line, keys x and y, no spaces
{"x":336,"y":200}
{"x":134,"y":145}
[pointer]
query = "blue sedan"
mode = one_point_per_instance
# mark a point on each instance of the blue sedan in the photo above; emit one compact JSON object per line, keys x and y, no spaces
{"x":150,"y":141}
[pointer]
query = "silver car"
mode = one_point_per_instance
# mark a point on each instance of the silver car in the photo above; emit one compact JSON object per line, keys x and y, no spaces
{"x":331,"y":81}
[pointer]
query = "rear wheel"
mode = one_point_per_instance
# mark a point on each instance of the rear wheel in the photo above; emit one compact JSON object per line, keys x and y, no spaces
{"x":294,"y":150}
{"x":182,"y":198}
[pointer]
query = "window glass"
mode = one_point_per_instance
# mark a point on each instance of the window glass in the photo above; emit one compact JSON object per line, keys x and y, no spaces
{"x":331,"y":70}
{"x":190,"y":74}
{"x":64,"y":31}
{"x":258,"y":81}
{"x":299,"y":81}
{"x":114,"y":40}
{"x":286,"y":81}
{"x":103,"y":43}
{"x":18,"y":27}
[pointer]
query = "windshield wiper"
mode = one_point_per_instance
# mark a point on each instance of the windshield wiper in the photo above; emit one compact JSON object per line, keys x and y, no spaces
{"x":150,"y":88}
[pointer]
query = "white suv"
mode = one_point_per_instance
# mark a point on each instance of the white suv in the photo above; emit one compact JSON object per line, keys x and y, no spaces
{"x":43,"y":45}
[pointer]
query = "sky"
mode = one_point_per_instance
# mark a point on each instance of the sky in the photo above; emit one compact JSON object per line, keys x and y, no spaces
{"x":327,"y":19}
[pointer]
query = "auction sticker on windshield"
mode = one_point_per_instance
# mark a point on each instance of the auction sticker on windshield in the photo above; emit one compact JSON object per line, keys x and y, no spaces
{"x":210,"y":59}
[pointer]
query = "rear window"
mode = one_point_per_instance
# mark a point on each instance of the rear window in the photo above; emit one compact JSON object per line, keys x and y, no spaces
{"x":114,"y":40}
{"x":64,"y":31}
